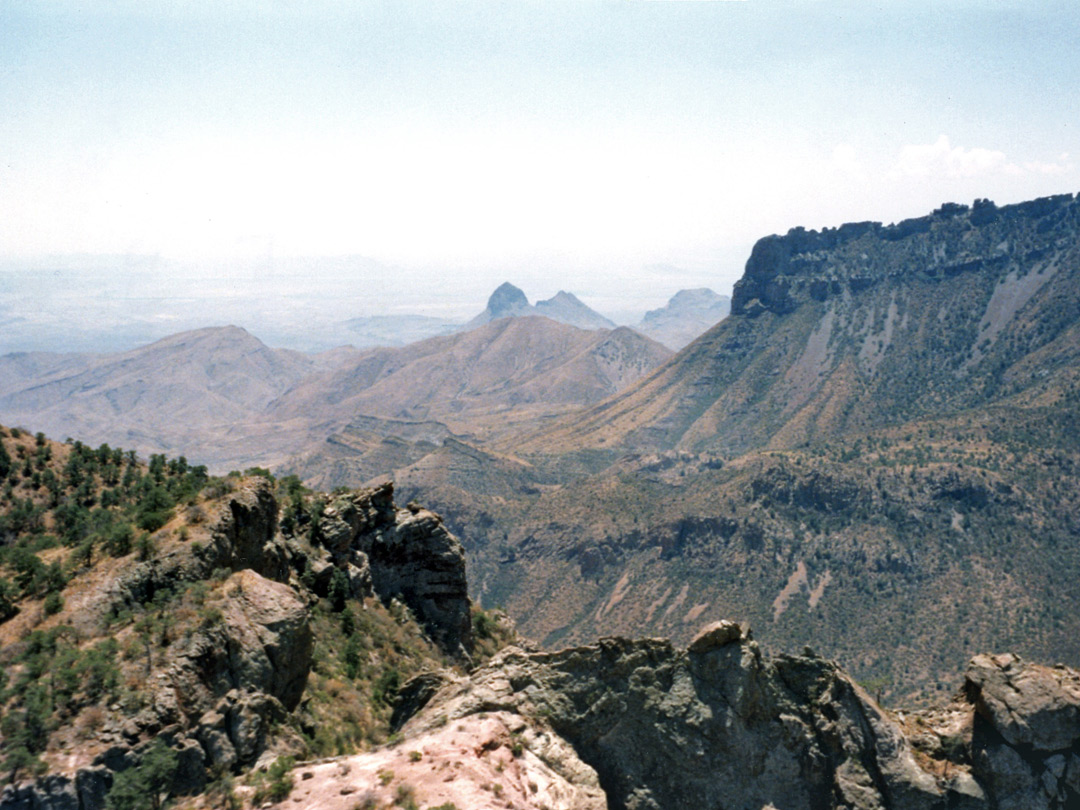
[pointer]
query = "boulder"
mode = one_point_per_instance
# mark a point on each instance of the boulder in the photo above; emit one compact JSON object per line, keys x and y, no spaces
{"x":1026,"y":704}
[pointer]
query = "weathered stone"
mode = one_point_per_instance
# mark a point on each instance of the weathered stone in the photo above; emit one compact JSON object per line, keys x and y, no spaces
{"x":189,"y":778}
{"x":243,"y":533}
{"x":218,"y":748}
{"x":415,"y":694}
{"x":722,"y":726}
{"x":1026,"y":704}
{"x":407,"y":554}
{"x":716,"y":634}
{"x":117,"y":758}
{"x":53,"y":792}
{"x":91,"y":786}
{"x":264,"y":643}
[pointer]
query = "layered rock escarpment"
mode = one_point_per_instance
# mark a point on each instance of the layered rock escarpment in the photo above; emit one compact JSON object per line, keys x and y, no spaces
{"x":784,"y":271}
{"x":721,"y":725}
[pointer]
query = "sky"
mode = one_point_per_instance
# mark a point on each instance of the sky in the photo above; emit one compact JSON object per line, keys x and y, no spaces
{"x":278,"y":165}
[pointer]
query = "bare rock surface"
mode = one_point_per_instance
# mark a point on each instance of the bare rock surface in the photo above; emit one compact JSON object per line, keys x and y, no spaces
{"x":1026,"y":731}
{"x":1028,"y":705}
{"x":492,"y":760}
{"x":263,"y":643}
{"x":411,"y":557}
{"x":720,"y":725}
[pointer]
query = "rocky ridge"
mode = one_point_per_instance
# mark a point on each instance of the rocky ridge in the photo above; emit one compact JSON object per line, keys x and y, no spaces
{"x":620,"y":723}
{"x":228,"y":693}
{"x":641,"y":724}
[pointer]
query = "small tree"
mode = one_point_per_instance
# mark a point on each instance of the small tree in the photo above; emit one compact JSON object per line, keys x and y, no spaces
{"x":339,"y":590}
{"x":147,"y":785}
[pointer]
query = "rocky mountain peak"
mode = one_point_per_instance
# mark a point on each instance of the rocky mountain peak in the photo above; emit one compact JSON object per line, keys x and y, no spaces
{"x":510,"y":302}
{"x":506,"y":300}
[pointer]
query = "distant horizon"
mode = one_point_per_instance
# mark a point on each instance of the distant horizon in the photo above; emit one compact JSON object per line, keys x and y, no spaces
{"x":103,"y":304}
{"x":284,"y":166}
{"x":108,"y":336}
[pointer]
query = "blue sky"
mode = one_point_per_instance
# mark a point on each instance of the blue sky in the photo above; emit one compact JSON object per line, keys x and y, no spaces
{"x":618,"y":149}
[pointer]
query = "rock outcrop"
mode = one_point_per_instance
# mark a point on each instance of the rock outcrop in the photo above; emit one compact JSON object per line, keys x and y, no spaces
{"x":241,"y":535}
{"x":803,"y":265}
{"x":410,"y":556}
{"x":721,"y":725}
{"x":1026,"y":733}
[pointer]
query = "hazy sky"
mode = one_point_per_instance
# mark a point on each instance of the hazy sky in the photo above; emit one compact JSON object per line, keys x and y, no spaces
{"x":621,"y":150}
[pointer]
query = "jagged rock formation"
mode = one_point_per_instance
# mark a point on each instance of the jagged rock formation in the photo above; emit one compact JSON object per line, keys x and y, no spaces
{"x":721,"y":725}
{"x":224,"y":694}
{"x":688,"y":315}
{"x":411,"y":557}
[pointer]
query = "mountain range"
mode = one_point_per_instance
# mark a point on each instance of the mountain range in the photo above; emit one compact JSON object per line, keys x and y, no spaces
{"x":224,"y":396}
{"x":510,"y":302}
{"x":873,"y":454}
{"x":688,"y":314}
{"x":193,"y":642}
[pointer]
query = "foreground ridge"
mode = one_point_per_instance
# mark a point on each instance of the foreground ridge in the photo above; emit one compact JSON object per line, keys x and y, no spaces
{"x":643,"y":724}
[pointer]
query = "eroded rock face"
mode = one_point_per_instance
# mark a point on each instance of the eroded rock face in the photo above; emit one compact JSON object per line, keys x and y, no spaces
{"x":263,"y":643}
{"x":719,"y":725}
{"x":226,"y":684}
{"x":411,"y":556}
{"x":243,"y":533}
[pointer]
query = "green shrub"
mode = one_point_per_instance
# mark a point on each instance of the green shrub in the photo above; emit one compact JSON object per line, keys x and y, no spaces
{"x":277,"y":783}
{"x":54,"y":603}
{"x":338,"y":592}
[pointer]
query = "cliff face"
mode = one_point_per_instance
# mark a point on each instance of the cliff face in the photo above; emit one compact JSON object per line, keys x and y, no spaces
{"x":785,"y":271}
{"x":863,"y":326}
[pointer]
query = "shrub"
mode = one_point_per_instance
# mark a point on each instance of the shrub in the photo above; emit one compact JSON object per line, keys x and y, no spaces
{"x":278,"y":782}
{"x":386,"y":686}
{"x":405,"y":796}
{"x":54,"y":603}
{"x":145,"y":546}
{"x":339,"y":590}
{"x":119,"y":539}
